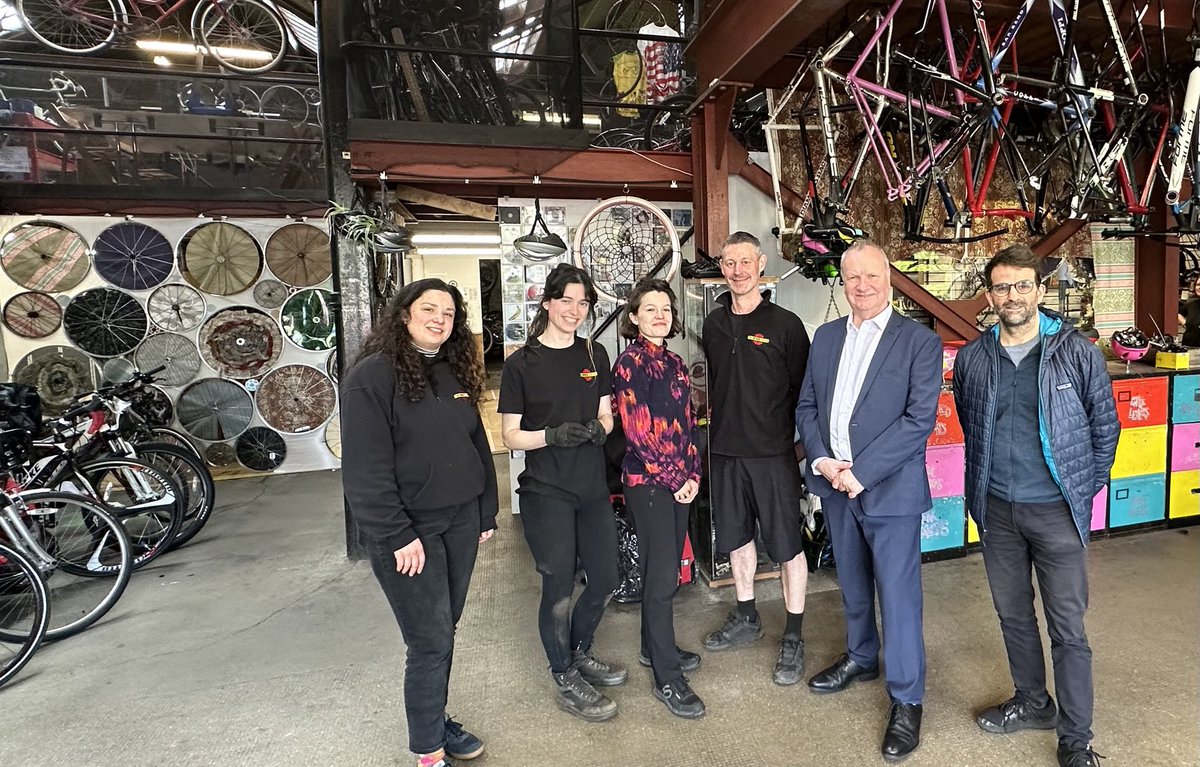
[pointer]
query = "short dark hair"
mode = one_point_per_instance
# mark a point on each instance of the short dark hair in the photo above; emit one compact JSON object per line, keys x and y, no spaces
{"x":634,"y":302}
{"x":556,"y":285}
{"x":1018,"y":256}
{"x":742,"y":238}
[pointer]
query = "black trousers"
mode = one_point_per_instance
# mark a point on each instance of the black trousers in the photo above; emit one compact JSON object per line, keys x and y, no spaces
{"x":661,"y":525}
{"x":427,"y":607}
{"x":560,"y":533}
{"x":1043,"y":537}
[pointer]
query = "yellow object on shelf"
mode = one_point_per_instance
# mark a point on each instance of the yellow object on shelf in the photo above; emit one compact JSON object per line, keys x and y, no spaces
{"x":1141,"y":451}
{"x":1171,"y":360}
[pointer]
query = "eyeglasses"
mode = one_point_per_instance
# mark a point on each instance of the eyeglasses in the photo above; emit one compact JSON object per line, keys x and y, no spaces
{"x":1022,"y":287}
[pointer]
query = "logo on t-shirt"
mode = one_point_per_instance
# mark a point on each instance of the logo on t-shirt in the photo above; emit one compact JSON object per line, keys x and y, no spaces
{"x":588,"y":375}
{"x":758,"y":339}
{"x":462,"y":395}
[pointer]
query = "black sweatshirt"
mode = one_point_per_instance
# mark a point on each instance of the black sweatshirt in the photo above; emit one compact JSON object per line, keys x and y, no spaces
{"x":756,"y":364}
{"x":401,"y":458}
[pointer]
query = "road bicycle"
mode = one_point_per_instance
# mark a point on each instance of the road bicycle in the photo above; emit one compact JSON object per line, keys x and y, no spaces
{"x":24,"y":611}
{"x":247,"y":36}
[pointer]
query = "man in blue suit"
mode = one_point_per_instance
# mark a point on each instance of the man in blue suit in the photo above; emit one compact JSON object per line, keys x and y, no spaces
{"x":866,"y":408}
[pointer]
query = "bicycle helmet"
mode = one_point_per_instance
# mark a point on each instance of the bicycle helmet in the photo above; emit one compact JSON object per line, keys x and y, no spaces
{"x":1130,"y":344}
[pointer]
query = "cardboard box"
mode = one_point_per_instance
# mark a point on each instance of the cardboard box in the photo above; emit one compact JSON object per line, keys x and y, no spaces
{"x":1171,"y":360}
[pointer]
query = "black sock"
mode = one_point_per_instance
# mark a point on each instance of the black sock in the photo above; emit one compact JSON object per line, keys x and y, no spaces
{"x":747,"y":609}
{"x":795,"y":623}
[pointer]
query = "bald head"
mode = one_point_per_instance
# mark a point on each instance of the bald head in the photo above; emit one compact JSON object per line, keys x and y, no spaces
{"x":866,"y":272}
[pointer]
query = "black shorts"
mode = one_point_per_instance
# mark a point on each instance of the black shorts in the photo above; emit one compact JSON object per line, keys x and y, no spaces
{"x":762,"y":490}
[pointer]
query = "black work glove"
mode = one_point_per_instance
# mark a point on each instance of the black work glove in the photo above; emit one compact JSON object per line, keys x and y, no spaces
{"x":569,"y":434}
{"x":596,"y":432}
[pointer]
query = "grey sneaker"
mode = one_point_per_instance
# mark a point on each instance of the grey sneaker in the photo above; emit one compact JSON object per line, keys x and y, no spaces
{"x":736,"y":631}
{"x":598,"y":672}
{"x":789,"y":668}
{"x":576,"y":696}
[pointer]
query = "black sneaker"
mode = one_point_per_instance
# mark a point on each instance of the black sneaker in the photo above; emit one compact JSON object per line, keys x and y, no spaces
{"x":1077,"y":757}
{"x":1015,"y":714}
{"x":688,"y":661}
{"x":599,"y":673}
{"x":736,"y":631}
{"x":577,"y":697}
{"x":789,"y":668}
{"x":679,"y":699}
{"x":461,"y":744}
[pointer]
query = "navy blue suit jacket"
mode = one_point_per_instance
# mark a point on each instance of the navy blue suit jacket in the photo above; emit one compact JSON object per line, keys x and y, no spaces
{"x":893,"y":417}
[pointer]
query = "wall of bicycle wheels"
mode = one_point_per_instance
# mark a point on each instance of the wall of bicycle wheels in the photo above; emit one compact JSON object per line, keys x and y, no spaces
{"x":239,"y":312}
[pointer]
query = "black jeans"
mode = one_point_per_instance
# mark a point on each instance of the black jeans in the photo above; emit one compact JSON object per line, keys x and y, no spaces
{"x":661,"y":525}
{"x":560,"y":533}
{"x":1044,"y":537}
{"x":427,"y":607}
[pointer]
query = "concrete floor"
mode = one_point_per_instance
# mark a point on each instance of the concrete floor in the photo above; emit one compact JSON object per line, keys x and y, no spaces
{"x":260,"y":644}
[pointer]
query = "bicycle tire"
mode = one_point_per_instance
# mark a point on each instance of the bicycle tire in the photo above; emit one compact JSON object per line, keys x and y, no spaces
{"x":24,"y":600}
{"x":240,"y":34}
{"x":285,"y":103}
{"x":90,"y":570}
{"x":193,"y":477}
{"x":165,"y":435}
{"x":151,"y":514}
{"x":110,"y":16}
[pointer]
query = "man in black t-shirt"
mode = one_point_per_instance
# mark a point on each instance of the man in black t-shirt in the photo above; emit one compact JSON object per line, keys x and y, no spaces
{"x":757,"y":352}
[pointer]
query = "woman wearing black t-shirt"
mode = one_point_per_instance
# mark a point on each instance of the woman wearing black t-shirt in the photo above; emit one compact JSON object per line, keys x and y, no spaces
{"x":418,"y":475}
{"x":555,"y":405}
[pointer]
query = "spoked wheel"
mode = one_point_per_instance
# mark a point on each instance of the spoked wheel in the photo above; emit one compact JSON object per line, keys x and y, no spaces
{"x":105,"y":322}
{"x":241,"y":342}
{"x":32,"y":315}
{"x":295,"y":398}
{"x":146,"y":500}
{"x":308,"y":320}
{"x":299,"y":255}
{"x":73,"y":26}
{"x":24,"y":611}
{"x":133,"y":256}
{"x":245,"y":36}
{"x":270,"y":294}
{"x":213,"y":410}
{"x":176,"y":307}
{"x":60,"y":374}
{"x":333,"y":436}
{"x":174,"y":352}
{"x":261,"y":449}
{"x":153,"y":406}
{"x":41,"y":256}
{"x":168,"y":436}
{"x":90,"y":553}
{"x":283,"y":102}
{"x":220,"y":258}
{"x":192,"y":477}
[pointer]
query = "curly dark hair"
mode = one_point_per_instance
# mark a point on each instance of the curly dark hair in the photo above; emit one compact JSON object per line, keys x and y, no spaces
{"x":391,"y":338}
{"x":633,"y":303}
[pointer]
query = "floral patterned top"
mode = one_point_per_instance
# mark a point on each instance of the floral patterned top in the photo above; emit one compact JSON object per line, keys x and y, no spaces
{"x":652,"y":397}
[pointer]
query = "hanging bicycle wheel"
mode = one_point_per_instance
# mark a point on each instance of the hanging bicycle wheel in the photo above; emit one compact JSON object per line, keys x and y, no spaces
{"x":44,"y":256}
{"x":220,"y":454}
{"x":105,"y":322}
{"x":331,"y":366}
{"x":270,"y":294}
{"x":295,"y":398}
{"x":261,"y":449}
{"x":620,"y":241}
{"x":175,"y":352}
{"x":220,"y":258}
{"x":299,"y":255}
{"x":85,"y":26}
{"x":32,"y":315}
{"x":247,"y":36}
{"x":333,"y":436}
{"x":308,"y":320}
{"x":212,"y":409}
{"x":176,"y":307}
{"x":133,"y":256}
{"x":60,"y":374}
{"x":154,"y":406}
{"x":240,"y":342}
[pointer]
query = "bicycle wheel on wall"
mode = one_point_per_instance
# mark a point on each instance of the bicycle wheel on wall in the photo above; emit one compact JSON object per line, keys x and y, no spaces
{"x":308,"y":321}
{"x":299,"y":255}
{"x":220,"y":258}
{"x":133,"y":256}
{"x":261,"y":449}
{"x":220,"y":455}
{"x":153,"y":405}
{"x":60,"y":374}
{"x":73,"y":26}
{"x":245,"y":36}
{"x":105,"y":322}
{"x":44,"y":256}
{"x":175,"y":352}
{"x":295,"y":399}
{"x":333,"y":436}
{"x":212,"y":409}
{"x":241,"y":342}
{"x":176,"y":307}
{"x":32,"y":315}
{"x":270,"y":294}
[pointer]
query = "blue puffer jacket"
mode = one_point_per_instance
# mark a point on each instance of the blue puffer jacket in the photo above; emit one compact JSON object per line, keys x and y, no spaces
{"x":1077,"y":416}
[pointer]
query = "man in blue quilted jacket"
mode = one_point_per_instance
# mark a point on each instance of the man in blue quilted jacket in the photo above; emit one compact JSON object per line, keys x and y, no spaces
{"x":1041,"y":428}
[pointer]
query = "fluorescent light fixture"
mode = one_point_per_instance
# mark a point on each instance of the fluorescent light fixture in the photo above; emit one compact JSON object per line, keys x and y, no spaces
{"x":162,"y":61}
{"x":167,"y":46}
{"x":450,"y":238}
{"x":456,"y":251}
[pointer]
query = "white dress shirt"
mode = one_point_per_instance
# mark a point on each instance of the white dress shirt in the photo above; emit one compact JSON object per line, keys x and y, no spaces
{"x":857,"y":353}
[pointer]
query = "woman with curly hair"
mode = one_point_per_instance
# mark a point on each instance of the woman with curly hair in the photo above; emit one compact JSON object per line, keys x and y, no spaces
{"x":418,"y":475}
{"x":555,"y":399}
{"x":661,"y":476}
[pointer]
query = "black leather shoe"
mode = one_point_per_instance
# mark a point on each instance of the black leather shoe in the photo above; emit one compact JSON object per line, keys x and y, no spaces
{"x":839,"y":676}
{"x":688,"y":661}
{"x":1077,"y":757}
{"x":1015,"y":714}
{"x":903,"y":733}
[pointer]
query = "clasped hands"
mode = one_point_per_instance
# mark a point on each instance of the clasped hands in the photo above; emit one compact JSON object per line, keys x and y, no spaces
{"x":571,"y":434}
{"x":840,"y":476}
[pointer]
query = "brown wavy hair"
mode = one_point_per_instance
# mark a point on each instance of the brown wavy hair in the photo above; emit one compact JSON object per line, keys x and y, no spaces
{"x":391,"y":338}
{"x":633,"y":303}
